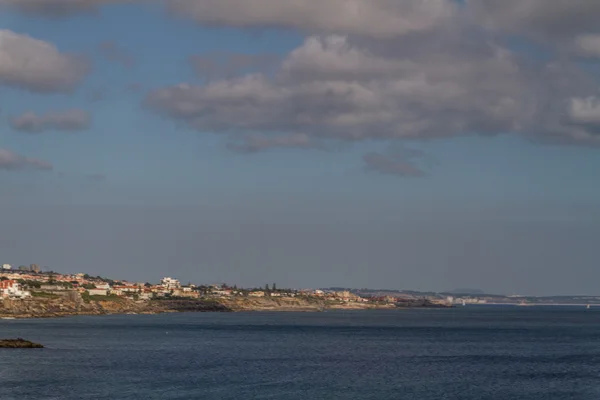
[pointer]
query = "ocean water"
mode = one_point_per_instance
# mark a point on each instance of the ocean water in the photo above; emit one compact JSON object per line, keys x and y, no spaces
{"x":483,"y":353}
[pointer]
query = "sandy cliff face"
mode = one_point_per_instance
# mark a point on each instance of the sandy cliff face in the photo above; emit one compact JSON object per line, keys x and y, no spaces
{"x":294,"y":304}
{"x":58,"y":307}
{"x":270,"y":304}
{"x":40,"y":307}
{"x":37,"y":307}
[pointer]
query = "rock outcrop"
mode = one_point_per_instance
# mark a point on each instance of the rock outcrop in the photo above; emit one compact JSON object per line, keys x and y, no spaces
{"x":19,"y":344}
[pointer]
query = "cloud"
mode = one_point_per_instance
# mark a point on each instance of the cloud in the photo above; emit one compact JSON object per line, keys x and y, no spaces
{"x":112,"y":52}
{"x":70,"y":120}
{"x":226,"y":65}
{"x":10,"y":161}
{"x":368,"y":79}
{"x":539,"y":19}
{"x":38,"y":66}
{"x":257,"y":143}
{"x":585,"y":111}
{"x":57,"y":8}
{"x":587,"y":45}
{"x":330,"y":88}
{"x":398,"y":163}
{"x":373,"y":18}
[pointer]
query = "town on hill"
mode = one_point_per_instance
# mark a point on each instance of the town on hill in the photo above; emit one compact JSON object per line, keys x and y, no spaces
{"x":28,"y":291}
{"x":31,"y":283}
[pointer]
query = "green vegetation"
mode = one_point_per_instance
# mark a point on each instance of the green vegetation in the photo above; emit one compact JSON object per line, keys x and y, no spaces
{"x":111,"y":297}
{"x":31,"y":284}
{"x":45,"y":295}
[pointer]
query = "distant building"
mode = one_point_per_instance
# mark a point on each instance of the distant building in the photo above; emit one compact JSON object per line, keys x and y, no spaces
{"x":98,"y":292}
{"x":12,"y":289}
{"x":103,"y":286}
{"x":170,"y":283}
{"x":34,"y":268}
{"x":6,"y":267}
{"x":23,"y":268}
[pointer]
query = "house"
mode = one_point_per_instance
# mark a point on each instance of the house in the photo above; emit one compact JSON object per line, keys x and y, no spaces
{"x":257,"y":293}
{"x":104,"y":286}
{"x":12,"y":289}
{"x":221,"y":292}
{"x":127,"y":289}
{"x":183,"y":293}
{"x":98,"y":292}
{"x":170,"y":283}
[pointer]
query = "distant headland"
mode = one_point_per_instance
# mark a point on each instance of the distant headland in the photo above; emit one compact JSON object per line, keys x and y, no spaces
{"x":29,"y":292}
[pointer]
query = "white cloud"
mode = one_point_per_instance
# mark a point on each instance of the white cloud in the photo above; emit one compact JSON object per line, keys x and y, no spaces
{"x":356,"y":89}
{"x":585,"y":110}
{"x":541,"y":19}
{"x":70,"y":120}
{"x":328,"y":88}
{"x":588,"y":45}
{"x":57,"y":8}
{"x":36,"y":65}
{"x":373,"y":18}
{"x":10,"y":161}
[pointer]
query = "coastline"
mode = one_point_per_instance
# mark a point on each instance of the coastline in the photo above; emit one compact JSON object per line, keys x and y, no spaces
{"x":56,"y":308}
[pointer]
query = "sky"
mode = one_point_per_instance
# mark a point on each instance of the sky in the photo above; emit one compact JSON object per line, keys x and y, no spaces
{"x":426,"y":145}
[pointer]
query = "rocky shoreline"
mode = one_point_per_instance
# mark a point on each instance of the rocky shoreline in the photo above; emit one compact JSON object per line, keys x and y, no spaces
{"x":62,"y":307}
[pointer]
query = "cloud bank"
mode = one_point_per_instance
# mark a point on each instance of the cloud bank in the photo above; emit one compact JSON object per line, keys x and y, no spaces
{"x":367,"y":70}
{"x":10,"y":161}
{"x":38,"y":66}
{"x":57,"y":8}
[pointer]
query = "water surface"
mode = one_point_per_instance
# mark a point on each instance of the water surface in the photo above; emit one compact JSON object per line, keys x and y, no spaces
{"x":466,"y":353}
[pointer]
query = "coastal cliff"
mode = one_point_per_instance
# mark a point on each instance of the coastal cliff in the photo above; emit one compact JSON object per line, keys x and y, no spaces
{"x":295,"y":304}
{"x":59,"y":306}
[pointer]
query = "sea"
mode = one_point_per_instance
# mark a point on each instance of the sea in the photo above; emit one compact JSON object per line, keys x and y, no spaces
{"x":464,"y":353}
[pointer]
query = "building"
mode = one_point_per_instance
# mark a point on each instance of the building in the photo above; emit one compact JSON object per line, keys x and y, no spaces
{"x":258,"y":293}
{"x":98,"y":292}
{"x":170,"y":283}
{"x":34,"y":268}
{"x":12,"y":289}
{"x":103,"y":286}
{"x":6,"y":267}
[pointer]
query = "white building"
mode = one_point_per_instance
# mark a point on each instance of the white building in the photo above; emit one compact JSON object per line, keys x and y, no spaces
{"x":98,"y":292}
{"x":6,"y":266}
{"x":104,"y":286}
{"x":170,"y":283}
{"x":12,"y":289}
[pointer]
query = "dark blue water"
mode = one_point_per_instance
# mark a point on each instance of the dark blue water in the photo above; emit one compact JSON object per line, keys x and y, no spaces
{"x":465,"y":353}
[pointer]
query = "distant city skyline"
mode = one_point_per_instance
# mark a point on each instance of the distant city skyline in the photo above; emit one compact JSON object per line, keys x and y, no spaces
{"x":424,"y":145}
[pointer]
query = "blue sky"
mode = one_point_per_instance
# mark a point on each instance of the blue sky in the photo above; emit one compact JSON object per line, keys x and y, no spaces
{"x":479,"y":141}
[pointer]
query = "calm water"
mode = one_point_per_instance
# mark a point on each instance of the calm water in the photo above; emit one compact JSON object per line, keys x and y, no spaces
{"x":465,"y":353}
